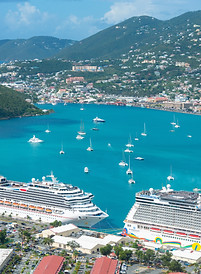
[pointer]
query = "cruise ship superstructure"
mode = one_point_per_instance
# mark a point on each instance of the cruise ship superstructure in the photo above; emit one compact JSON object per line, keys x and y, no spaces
{"x":48,"y":200}
{"x":167,"y":217}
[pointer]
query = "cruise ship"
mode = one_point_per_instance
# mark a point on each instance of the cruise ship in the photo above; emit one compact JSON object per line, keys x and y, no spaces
{"x":48,"y":200}
{"x":166,"y":217}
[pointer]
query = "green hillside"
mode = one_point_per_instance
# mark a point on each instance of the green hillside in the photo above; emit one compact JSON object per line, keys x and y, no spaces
{"x":13,"y":104}
{"x":38,"y":47}
{"x":144,"y":33}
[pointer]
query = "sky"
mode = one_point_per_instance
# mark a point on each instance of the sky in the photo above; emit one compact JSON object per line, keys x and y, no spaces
{"x":79,"y":19}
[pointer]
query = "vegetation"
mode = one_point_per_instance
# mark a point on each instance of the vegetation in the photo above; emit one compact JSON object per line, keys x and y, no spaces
{"x":56,"y":223}
{"x":13,"y":104}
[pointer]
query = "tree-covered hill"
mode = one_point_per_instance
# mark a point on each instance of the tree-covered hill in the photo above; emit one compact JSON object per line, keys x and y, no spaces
{"x":144,"y":33}
{"x":38,"y":47}
{"x":13,"y":104}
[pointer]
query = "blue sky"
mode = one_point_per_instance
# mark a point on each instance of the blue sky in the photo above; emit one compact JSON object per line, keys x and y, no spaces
{"x":79,"y":19}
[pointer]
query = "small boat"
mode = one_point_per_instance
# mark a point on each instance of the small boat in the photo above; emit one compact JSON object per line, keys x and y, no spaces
{"x":173,"y":123}
{"x":189,"y":136}
{"x":129,"y":143}
{"x":81,"y":131}
{"x":48,"y":210}
{"x":129,"y":171}
{"x":48,"y":130}
{"x":34,"y":139}
{"x":82,"y":108}
{"x":90,"y":146}
{"x":144,"y":133}
{"x":61,"y":151}
{"x":79,"y":137}
{"x":139,"y":158}
{"x":170,"y":177}
{"x":98,"y":120}
{"x":127,"y":150}
{"x":95,"y":128}
{"x":136,"y":138}
{"x":86,"y":169}
{"x":123,"y":161}
{"x":109,"y":145}
{"x":177,"y":125}
{"x":131,"y":180}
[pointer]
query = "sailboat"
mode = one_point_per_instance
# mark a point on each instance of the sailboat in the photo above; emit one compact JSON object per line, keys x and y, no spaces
{"x":81,"y":132}
{"x":173,"y":123}
{"x":123,"y":161}
{"x":90,"y":146}
{"x":82,"y":108}
{"x":62,"y":150}
{"x":131,"y":180}
{"x":144,"y":133}
{"x":79,"y":137}
{"x":177,"y":125}
{"x":129,"y":171}
{"x":129,"y":143}
{"x":136,"y":138}
{"x":47,"y":130}
{"x":170,"y":177}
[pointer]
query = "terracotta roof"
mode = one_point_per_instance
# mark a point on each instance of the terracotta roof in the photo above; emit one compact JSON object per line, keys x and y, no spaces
{"x":50,"y":265}
{"x":104,"y":265}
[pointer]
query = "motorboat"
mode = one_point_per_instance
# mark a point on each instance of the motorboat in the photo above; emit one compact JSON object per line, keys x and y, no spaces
{"x":86,"y":169}
{"x":127,"y":150}
{"x":34,"y":139}
{"x":98,"y":120}
{"x":170,"y":177}
{"x":139,"y":158}
{"x":62,"y":151}
{"x":131,"y":180}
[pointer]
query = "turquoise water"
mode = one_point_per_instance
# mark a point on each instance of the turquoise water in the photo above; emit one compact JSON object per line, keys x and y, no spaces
{"x":161,"y":149}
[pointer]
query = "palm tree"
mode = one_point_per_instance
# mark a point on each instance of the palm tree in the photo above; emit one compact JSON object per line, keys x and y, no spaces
{"x":48,"y":241}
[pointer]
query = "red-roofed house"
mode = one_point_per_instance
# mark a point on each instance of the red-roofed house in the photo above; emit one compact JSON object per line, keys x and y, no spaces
{"x":105,"y":265}
{"x":50,"y":265}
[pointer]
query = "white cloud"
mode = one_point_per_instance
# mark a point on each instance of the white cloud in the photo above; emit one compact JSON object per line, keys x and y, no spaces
{"x":25,"y":15}
{"x":123,"y":10}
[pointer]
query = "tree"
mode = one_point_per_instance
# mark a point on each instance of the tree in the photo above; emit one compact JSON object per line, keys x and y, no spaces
{"x":73,"y":245}
{"x":175,"y":266}
{"x":149,"y":256}
{"x":106,"y":250}
{"x":140,"y":255}
{"x":3,"y":238}
{"x":166,"y":258}
{"x":125,"y":255}
{"x":117,"y":250}
{"x":56,"y":223}
{"x":48,"y":241}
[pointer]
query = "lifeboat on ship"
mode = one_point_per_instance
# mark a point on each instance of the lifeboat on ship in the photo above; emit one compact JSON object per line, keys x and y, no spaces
{"x":32,"y":207}
{"x":48,"y":210}
{"x":15,"y":204}
{"x":194,"y":236}
{"x":154,"y":229}
{"x":7,"y":203}
{"x":1,"y":202}
{"x":23,"y":205}
{"x":181,"y":234}
{"x":168,"y":231}
{"x":40,"y":208}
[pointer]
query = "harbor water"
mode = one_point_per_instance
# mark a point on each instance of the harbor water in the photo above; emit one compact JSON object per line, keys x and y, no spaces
{"x":165,"y":150}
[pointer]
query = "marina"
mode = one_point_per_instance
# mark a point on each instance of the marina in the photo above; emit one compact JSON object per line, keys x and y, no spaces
{"x":108,"y":181}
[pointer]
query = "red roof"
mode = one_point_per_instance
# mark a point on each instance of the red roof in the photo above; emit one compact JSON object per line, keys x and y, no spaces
{"x":50,"y":265}
{"x":104,"y":265}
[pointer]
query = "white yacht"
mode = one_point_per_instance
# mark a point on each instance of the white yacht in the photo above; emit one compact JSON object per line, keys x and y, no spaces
{"x":98,"y":120}
{"x":48,"y":200}
{"x":170,"y":177}
{"x":139,"y":158}
{"x":123,"y":161}
{"x":90,"y":146}
{"x":34,"y":139}
{"x":177,"y":125}
{"x":131,"y":180}
{"x":86,"y":169}
{"x":62,"y":150}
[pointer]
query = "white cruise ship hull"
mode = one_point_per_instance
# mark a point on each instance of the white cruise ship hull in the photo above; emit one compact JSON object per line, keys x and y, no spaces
{"x":43,"y":217}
